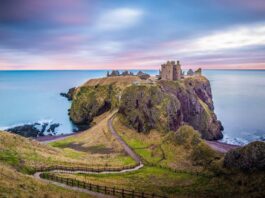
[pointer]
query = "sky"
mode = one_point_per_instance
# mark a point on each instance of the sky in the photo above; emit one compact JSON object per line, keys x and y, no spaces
{"x":126,"y":34}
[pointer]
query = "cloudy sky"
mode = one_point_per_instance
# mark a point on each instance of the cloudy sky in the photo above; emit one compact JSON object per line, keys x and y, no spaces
{"x":125,"y":34}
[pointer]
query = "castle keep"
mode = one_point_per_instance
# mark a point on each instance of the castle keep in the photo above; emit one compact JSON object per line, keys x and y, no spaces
{"x":171,"y":71}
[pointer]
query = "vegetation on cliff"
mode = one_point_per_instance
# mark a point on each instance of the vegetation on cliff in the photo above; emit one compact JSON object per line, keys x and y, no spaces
{"x":91,"y":101}
{"x":161,"y":105}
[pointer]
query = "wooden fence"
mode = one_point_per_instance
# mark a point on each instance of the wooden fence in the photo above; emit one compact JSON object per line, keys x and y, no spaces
{"x":98,"y":188}
{"x":84,"y":169}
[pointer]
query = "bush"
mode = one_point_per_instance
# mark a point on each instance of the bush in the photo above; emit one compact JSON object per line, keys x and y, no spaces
{"x":187,"y":136}
{"x":248,"y":158}
{"x":203,"y":155}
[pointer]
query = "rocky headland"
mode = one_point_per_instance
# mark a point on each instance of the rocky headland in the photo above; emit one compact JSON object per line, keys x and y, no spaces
{"x":149,"y":104}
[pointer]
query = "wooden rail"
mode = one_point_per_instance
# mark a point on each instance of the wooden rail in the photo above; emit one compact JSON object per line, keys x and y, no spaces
{"x":85,"y":169}
{"x":99,"y":188}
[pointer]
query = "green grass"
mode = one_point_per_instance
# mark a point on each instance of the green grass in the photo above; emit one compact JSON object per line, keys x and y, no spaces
{"x":10,"y":157}
{"x":179,"y":184}
{"x":150,"y":179}
{"x":61,"y":143}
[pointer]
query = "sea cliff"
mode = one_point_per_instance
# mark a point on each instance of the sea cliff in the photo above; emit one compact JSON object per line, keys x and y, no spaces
{"x":149,"y":104}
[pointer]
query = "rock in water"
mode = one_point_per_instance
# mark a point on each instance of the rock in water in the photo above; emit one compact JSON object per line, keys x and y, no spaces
{"x":69,"y":94}
{"x":248,"y":158}
{"x":27,"y":130}
{"x":35,"y":130}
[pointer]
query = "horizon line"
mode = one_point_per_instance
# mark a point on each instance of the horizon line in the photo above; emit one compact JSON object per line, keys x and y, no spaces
{"x":239,"y":69}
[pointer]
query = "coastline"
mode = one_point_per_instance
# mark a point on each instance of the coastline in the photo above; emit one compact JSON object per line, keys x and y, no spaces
{"x":50,"y":138}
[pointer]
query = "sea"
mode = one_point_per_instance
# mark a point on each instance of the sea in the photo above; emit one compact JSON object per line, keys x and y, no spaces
{"x":28,"y":97}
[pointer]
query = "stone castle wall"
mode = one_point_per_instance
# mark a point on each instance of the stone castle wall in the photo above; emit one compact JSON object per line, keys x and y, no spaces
{"x":171,"y":71}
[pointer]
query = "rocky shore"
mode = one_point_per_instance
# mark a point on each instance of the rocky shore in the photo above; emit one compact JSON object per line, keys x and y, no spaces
{"x":36,"y":129}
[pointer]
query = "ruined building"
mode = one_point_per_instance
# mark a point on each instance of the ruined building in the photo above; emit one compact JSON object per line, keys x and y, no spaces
{"x":171,"y":71}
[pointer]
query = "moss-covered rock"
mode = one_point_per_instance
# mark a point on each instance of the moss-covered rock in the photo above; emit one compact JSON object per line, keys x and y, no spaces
{"x":248,"y":158}
{"x":169,"y":104}
{"x":147,"y":107}
{"x":90,"y":101}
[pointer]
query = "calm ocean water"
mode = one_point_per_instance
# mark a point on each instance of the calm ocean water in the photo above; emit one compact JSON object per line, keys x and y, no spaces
{"x":33,"y":96}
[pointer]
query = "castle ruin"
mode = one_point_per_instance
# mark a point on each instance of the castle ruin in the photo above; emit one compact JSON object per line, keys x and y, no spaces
{"x":171,"y":71}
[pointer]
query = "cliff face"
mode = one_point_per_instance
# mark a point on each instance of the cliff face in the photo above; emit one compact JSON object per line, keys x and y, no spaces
{"x":169,"y":104}
{"x":163,"y":105}
{"x":91,"y":101}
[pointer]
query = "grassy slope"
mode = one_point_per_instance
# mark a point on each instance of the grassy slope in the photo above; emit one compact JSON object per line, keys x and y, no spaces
{"x":151,"y":180}
{"x":97,"y":145}
{"x":16,"y":184}
{"x":178,"y":156}
{"x":19,"y":155}
{"x":154,"y":149}
{"x":24,"y":154}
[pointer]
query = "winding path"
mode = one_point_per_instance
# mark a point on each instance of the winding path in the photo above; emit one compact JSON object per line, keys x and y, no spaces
{"x":127,"y":149}
{"x":221,"y":147}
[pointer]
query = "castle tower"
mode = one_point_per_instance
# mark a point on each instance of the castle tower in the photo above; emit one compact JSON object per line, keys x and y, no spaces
{"x":171,"y":71}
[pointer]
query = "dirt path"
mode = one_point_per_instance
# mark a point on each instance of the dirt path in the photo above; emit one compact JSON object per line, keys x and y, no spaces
{"x":92,"y":193}
{"x":127,"y":149}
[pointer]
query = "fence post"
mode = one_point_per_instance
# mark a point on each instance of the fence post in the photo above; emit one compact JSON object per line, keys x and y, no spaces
{"x":90,"y":186}
{"x":97,"y":188}
{"x":133,"y":194}
{"x":122,"y":192}
{"x":113,"y":190}
{"x":142,"y":194}
{"x":153,"y":195}
{"x":105,"y":189}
